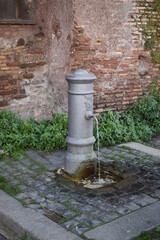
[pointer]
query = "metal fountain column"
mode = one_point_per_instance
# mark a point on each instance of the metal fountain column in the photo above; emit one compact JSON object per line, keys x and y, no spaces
{"x":80,"y":138}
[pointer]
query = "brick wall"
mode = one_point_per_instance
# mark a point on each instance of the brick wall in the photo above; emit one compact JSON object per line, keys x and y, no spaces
{"x":23,"y":66}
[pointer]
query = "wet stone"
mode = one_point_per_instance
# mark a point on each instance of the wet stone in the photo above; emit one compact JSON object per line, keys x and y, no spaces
{"x":69,"y":214}
{"x":109,"y":216}
{"x":123,"y":210}
{"x":51,"y":175}
{"x":70,"y":224}
{"x":41,"y":188}
{"x":62,"y":198}
{"x":37,"y":184}
{"x":149,"y":199}
{"x":22,"y":196}
{"x":33,"y":206}
{"x":83,"y":217}
{"x":57,"y":207}
{"x":141,"y":202}
{"x":40,"y":199}
{"x":23,"y":187}
{"x":107,"y":207}
{"x":93,"y":222}
{"x":87,"y":208}
{"x":146,"y":198}
{"x":33,"y":195}
{"x":43,"y":204}
{"x":76,"y":204}
{"x":48,"y":179}
{"x":51,"y":196}
{"x":80,"y":229}
{"x":132,"y":206}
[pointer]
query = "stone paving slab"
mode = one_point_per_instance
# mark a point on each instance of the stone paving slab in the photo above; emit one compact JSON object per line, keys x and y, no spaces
{"x":129,"y":226}
{"x":143,"y":148}
{"x":20,"y":219}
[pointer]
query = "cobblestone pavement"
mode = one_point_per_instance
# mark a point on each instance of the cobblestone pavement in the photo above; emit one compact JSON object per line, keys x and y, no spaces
{"x":78,"y":209}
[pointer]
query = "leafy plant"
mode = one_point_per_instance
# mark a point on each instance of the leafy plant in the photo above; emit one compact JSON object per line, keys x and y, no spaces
{"x":17,"y":134}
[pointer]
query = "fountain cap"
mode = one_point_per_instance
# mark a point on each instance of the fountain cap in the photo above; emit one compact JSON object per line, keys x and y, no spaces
{"x":81,"y":76}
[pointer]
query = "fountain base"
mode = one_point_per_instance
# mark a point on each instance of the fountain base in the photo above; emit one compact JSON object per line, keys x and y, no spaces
{"x":79,"y":160}
{"x":88,"y":177}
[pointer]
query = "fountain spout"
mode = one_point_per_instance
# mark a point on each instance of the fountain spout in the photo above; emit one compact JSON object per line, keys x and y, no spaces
{"x":89,"y":115}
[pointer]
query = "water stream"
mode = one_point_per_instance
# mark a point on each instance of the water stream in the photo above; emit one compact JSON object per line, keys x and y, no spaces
{"x":99,"y":180}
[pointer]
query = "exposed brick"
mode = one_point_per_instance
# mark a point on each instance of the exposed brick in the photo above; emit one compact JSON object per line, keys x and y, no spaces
{"x":8,"y":92}
{"x":4,"y":77}
{"x":24,"y":65}
{"x":35,"y":51}
{"x":28,"y":75}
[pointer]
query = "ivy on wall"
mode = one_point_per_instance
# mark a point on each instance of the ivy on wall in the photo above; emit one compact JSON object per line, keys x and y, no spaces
{"x":148,"y":22}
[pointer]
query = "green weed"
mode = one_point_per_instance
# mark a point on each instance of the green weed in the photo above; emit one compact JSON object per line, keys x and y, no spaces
{"x":152,"y":235}
{"x":5,"y":186}
{"x":24,"y":236}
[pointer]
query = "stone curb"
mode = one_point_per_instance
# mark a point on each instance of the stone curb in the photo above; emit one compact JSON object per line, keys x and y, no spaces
{"x":142,"y":148}
{"x":20,"y":219}
{"x":129,"y":226}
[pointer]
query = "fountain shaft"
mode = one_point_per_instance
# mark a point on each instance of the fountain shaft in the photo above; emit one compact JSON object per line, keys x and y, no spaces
{"x":80,"y":138}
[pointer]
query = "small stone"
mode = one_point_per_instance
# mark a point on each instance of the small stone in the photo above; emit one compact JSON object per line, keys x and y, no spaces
{"x":132,"y":206}
{"x":80,"y":229}
{"x":122,"y":210}
{"x":69,"y":214}
{"x":48,"y":179}
{"x":109,"y":217}
{"x":22,"y":196}
{"x":40,"y":200}
{"x":33,"y":206}
{"x":33,"y":195}
{"x":70,"y":224}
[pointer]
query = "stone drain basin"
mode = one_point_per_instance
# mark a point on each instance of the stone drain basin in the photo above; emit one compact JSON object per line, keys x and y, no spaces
{"x":90,"y":180}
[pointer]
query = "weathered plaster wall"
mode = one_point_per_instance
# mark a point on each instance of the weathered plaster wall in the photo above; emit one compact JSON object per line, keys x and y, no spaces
{"x":60,"y":24}
{"x":34,"y":60}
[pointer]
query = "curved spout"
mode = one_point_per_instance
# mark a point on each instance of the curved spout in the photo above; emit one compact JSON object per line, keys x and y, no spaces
{"x":89,"y":115}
